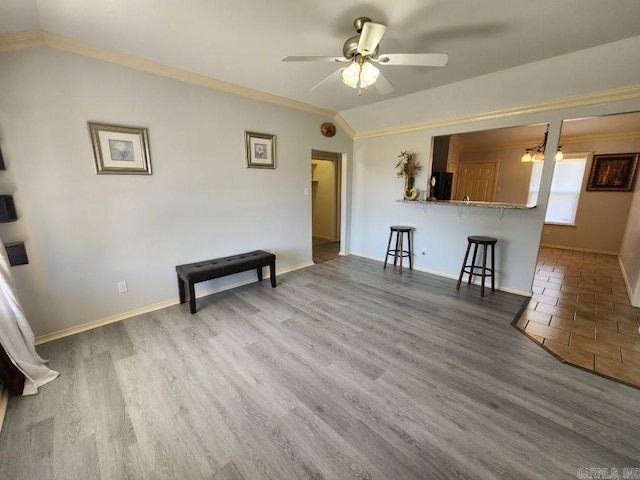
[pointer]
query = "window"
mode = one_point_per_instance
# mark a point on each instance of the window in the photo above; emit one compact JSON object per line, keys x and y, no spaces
{"x":565,"y":188}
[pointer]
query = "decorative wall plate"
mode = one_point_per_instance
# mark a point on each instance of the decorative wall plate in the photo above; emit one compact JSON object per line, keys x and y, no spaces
{"x":328,"y":129}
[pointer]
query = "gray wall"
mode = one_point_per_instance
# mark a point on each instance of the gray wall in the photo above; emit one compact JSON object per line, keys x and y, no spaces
{"x":85,"y":232}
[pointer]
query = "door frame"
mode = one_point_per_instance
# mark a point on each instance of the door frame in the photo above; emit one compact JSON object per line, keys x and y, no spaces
{"x":337,"y":159}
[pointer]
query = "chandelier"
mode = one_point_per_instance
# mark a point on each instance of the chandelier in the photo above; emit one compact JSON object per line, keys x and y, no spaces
{"x":536,"y":154}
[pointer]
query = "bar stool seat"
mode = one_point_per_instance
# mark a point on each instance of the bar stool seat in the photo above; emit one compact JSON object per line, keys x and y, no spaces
{"x":399,"y":252}
{"x":482,"y":270}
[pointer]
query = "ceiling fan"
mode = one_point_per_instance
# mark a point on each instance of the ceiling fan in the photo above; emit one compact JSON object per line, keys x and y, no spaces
{"x":361,"y":51}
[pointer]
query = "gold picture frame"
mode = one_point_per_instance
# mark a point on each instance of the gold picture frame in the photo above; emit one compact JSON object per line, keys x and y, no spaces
{"x":613,"y":172}
{"x":120,"y":149}
{"x":260,"y":150}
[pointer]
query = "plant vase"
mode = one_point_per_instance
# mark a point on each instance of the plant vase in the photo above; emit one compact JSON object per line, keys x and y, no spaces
{"x":410,"y":192}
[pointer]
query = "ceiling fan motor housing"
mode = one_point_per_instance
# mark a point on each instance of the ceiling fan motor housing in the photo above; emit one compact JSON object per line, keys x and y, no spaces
{"x":350,"y":48}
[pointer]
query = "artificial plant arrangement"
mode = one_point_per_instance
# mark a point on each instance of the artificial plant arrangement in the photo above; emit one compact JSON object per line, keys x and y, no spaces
{"x":408,"y":168}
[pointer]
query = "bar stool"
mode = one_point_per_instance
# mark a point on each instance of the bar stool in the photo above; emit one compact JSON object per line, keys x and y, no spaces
{"x":398,"y":251}
{"x":472,"y":267}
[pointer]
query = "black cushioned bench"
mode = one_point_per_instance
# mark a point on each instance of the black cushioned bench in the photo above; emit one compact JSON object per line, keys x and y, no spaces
{"x":193,"y":273}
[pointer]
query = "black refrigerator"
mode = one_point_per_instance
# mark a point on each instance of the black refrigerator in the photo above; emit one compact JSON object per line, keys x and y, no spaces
{"x":442,"y":188}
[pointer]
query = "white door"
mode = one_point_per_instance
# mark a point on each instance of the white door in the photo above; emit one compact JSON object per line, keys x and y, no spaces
{"x":477,"y":180}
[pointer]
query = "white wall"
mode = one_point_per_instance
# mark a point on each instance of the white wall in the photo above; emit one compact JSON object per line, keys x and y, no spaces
{"x":85,"y":232}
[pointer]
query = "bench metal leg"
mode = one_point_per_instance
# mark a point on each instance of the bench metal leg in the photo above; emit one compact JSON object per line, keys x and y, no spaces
{"x":259,"y":270}
{"x":192,"y":298}
{"x":181,"y":289}
{"x":272,"y":274}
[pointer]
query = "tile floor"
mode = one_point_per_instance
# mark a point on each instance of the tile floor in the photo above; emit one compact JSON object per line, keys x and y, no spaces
{"x":580,"y":311}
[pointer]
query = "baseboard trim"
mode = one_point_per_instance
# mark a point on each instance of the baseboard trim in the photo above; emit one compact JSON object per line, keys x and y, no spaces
{"x":627,"y":284}
{"x":447,"y":275}
{"x":49,"y":337}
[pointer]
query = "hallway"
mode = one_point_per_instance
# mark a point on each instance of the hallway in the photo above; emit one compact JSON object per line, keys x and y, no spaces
{"x":324,"y":250}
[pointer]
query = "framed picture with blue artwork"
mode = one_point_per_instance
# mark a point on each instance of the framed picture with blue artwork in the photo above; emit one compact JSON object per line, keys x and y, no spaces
{"x":120,"y":149}
{"x":260,"y":149}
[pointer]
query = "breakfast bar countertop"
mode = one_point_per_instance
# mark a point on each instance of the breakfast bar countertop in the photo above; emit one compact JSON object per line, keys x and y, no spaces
{"x":517,"y":206}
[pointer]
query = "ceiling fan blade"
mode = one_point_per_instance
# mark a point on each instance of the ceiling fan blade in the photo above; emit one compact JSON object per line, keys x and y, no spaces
{"x":313,"y":59}
{"x":370,"y":37}
{"x":383,"y":85}
{"x":331,"y":78}
{"x":418,"y":59}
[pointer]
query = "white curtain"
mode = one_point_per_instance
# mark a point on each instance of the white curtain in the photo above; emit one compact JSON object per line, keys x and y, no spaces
{"x":16,"y":335}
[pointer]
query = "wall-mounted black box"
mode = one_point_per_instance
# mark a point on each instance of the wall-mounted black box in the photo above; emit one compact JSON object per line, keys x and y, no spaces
{"x":17,"y":253}
{"x":7,"y":209}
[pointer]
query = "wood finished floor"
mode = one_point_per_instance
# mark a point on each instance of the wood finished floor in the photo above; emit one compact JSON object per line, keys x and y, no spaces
{"x":323,"y":251}
{"x":580,"y":311}
{"x":344,"y":371}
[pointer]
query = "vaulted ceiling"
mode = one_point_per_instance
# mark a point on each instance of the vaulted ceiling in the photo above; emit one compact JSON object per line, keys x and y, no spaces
{"x":242,"y":42}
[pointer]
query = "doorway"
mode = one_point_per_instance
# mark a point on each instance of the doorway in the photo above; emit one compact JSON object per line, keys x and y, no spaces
{"x":325,"y":205}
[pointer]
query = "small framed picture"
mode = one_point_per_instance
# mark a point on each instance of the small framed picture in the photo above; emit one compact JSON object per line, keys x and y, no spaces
{"x":261,"y":150}
{"x":120,"y":149}
{"x":613,"y":172}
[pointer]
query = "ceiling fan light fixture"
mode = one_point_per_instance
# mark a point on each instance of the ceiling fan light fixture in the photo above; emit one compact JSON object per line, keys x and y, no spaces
{"x":368,"y":74}
{"x":351,"y":75}
{"x":526,"y":158}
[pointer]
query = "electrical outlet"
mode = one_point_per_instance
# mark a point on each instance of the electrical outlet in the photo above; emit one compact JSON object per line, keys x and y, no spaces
{"x":424,"y":251}
{"x":122,"y":287}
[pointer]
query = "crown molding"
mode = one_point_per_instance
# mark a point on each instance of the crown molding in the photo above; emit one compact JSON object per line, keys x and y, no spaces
{"x":564,"y":141}
{"x":339,"y":119}
{"x":601,"y":138}
{"x":607,"y":96}
{"x":40,"y":38}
